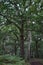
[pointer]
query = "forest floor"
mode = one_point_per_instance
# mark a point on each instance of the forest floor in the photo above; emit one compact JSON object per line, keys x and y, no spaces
{"x":36,"y":61}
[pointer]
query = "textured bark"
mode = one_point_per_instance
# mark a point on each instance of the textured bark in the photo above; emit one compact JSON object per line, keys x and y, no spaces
{"x":29,"y":40}
{"x":22,"y":40}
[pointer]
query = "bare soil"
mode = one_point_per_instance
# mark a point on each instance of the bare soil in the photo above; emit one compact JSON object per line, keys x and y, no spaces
{"x":36,"y":61}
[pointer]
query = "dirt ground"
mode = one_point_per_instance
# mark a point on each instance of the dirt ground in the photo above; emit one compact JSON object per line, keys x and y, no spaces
{"x":36,"y":62}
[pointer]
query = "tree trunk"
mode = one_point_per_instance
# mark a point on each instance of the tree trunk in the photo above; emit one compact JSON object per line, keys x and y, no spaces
{"x":15,"y":49}
{"x":37,"y":54}
{"x":29,"y":40}
{"x":22,"y":40}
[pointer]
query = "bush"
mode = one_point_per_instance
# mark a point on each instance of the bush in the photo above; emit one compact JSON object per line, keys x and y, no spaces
{"x":11,"y":60}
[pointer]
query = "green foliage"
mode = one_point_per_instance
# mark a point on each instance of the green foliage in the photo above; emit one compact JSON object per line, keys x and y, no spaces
{"x":14,"y":13}
{"x":13,"y":60}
